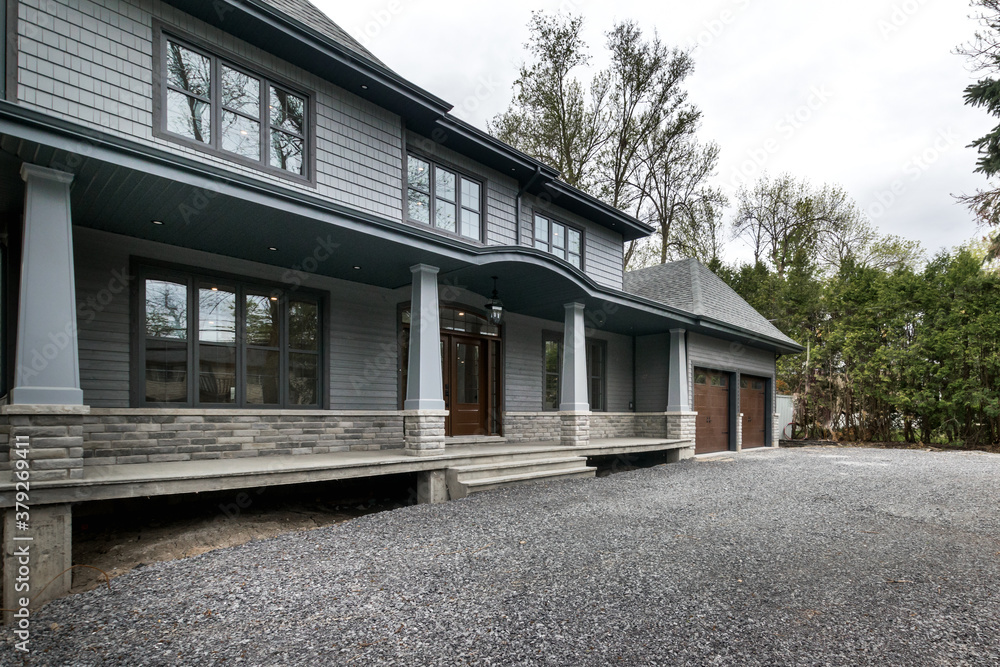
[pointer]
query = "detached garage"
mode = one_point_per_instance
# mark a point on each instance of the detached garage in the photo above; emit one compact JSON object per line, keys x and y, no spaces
{"x":731,"y":376}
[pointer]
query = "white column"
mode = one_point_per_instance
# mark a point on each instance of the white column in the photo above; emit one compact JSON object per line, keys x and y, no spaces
{"x":424,"y":390}
{"x":573,"y":392}
{"x":678,"y":395}
{"x":47,"y":359}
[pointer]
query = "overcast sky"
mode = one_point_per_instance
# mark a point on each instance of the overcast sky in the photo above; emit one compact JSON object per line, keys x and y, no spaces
{"x":863,"y":93}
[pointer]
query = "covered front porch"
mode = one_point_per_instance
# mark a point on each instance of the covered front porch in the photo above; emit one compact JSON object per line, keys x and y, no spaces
{"x":101,"y":405}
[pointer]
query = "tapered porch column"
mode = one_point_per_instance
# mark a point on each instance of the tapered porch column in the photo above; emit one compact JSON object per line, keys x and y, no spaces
{"x":574,"y":403}
{"x":45,"y":415}
{"x":47,"y":368}
{"x":424,"y":412}
{"x":681,"y":417}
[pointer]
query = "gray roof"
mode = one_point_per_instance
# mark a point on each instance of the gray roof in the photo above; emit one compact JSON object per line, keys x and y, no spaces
{"x":310,"y":16}
{"x":689,"y":286}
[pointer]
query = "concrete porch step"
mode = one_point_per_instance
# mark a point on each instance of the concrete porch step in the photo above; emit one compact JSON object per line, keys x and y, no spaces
{"x":463,"y":480}
{"x":474,"y":440}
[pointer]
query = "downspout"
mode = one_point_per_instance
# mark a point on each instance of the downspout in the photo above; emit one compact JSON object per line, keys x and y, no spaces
{"x":517,"y":212}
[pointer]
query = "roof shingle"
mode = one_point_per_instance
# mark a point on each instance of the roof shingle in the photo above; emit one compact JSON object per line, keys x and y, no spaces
{"x":689,"y":286}
{"x":312,"y":17}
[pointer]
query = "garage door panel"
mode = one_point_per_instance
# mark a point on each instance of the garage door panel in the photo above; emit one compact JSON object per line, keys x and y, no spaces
{"x":711,"y":402}
{"x":753,"y":401}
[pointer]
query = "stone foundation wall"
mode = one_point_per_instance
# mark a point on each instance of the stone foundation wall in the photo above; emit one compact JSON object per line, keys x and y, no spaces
{"x":575,"y":429}
{"x":682,"y":425}
{"x":54,"y":440}
{"x":628,"y":425}
{"x":532,"y":426}
{"x":122,"y":436}
{"x":424,"y":431}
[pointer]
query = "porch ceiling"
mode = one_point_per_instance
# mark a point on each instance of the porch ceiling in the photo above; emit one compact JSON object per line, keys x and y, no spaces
{"x":121,"y":187}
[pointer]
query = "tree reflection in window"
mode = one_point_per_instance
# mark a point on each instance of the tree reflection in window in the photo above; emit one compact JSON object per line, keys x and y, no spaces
{"x":189,"y":92}
{"x":254,"y":117}
{"x":287,"y":130}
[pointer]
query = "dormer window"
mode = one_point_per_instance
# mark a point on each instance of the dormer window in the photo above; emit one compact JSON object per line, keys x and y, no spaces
{"x":217,"y":105}
{"x":443,"y":198}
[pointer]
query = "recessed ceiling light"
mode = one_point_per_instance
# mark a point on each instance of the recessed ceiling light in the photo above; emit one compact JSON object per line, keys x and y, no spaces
{"x":274,"y":298}
{"x":215,"y":289}
{"x":157,"y":222}
{"x":272,"y":248}
{"x":357,"y":268}
{"x":364,"y":87}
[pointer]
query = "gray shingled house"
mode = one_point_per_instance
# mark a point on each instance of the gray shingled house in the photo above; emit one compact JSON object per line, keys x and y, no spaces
{"x":239,"y":251}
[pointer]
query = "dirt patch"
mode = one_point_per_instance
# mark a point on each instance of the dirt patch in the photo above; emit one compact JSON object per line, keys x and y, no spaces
{"x":118,"y":536}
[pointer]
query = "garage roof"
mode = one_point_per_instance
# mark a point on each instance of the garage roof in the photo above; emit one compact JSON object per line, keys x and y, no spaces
{"x":689,"y":286}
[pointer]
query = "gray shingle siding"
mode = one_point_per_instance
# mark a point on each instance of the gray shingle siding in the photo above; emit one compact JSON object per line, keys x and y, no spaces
{"x":501,"y":190}
{"x":652,"y":361}
{"x":604,"y":252}
{"x":91,"y":61}
{"x":361,"y":322}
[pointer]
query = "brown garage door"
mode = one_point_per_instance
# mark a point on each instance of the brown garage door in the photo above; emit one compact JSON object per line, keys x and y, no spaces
{"x":711,"y":402}
{"x":752,"y":406}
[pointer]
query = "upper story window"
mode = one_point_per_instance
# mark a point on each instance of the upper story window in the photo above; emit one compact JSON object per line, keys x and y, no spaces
{"x":443,"y":198}
{"x":224,"y":107}
{"x":561,"y":240}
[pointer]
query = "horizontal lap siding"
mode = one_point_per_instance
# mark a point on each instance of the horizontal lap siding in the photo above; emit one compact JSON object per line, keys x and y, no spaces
{"x":523,"y":362}
{"x":652,"y":364}
{"x":604,"y":250}
{"x":102,"y":298}
{"x":90,"y":61}
{"x":619,"y":371}
{"x":524,"y":368}
{"x":501,"y":190}
{"x":364,"y":356}
{"x":361,"y":322}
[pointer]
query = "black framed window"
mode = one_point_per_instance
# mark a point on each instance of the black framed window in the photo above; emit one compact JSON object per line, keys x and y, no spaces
{"x":561,"y":240}
{"x":597,"y":363}
{"x":209,"y":342}
{"x":443,"y":198}
{"x":214,"y":103}
{"x":597,"y":352}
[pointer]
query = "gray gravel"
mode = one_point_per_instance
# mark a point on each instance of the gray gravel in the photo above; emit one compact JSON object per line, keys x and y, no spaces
{"x":815,"y":556}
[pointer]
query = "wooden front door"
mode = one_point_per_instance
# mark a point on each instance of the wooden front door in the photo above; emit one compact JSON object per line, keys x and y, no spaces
{"x":711,"y":402}
{"x":752,"y":403}
{"x":465,"y":388}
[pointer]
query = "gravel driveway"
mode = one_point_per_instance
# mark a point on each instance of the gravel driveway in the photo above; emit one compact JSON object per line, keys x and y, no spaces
{"x":815,"y":556}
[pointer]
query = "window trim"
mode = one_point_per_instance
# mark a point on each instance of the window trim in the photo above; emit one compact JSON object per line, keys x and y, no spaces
{"x":549,"y":336}
{"x":161,"y":34}
{"x":560,"y":221}
{"x":193,"y":277}
{"x":461,"y":173}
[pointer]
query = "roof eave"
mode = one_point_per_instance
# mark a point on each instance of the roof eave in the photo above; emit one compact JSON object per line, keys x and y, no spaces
{"x":268,"y":28}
